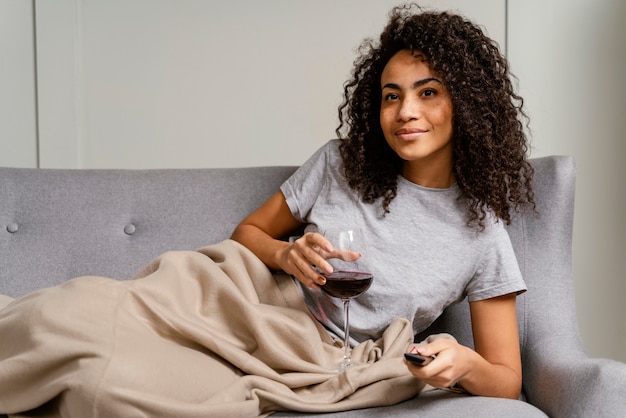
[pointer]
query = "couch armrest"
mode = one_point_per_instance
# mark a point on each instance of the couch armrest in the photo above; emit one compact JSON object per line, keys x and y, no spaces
{"x":567,"y":383}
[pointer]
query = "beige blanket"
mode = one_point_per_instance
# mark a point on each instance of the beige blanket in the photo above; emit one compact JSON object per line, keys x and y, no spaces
{"x":208,"y":333}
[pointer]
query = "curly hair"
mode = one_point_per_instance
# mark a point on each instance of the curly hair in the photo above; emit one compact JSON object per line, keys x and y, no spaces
{"x":489,"y":143}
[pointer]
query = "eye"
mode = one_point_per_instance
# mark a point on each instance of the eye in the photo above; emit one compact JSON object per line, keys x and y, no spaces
{"x":429,"y":92}
{"x":391,"y":96}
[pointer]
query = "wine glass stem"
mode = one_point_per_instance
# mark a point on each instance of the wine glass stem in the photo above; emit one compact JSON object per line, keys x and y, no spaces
{"x":346,"y":327}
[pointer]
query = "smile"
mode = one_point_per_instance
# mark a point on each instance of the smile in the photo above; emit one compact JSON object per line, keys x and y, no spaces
{"x":409,"y":134}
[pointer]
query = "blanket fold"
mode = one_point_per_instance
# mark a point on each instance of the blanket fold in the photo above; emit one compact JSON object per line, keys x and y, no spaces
{"x":207,"y":333}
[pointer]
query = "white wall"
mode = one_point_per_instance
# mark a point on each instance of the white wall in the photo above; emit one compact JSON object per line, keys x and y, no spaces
{"x":18,"y":125}
{"x":199,"y":83}
{"x":570,"y":58}
{"x":163,"y":83}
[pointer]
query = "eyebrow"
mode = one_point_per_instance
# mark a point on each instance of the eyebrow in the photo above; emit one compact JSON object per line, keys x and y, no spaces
{"x":417,"y":84}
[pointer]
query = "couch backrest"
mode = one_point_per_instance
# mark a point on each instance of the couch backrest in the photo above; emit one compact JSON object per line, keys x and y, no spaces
{"x":60,"y":224}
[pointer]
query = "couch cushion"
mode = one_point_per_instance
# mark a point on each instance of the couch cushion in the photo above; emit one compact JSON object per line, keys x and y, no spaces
{"x":438,"y":404}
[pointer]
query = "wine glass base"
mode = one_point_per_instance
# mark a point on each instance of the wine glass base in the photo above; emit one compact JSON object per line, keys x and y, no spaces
{"x":345,"y":363}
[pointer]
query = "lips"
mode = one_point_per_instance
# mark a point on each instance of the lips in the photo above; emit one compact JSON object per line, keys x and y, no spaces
{"x":408,"y":134}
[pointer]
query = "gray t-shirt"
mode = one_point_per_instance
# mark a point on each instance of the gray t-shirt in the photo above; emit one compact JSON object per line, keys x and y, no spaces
{"x":423,"y":256}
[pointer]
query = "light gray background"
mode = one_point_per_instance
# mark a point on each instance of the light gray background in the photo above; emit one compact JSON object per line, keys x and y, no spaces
{"x":215,"y":83}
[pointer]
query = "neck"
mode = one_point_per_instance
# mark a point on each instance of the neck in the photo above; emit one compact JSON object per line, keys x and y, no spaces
{"x":437,"y":178}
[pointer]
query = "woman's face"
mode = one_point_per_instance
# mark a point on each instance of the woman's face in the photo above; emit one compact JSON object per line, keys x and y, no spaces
{"x":416,"y":119}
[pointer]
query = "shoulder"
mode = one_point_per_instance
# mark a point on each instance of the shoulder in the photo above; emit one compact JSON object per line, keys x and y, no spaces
{"x":331,"y":148}
{"x":491,"y":237}
{"x":318,"y":170}
{"x":325,"y":155}
{"x":494,"y":229}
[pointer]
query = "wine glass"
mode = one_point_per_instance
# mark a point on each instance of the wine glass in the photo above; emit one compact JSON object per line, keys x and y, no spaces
{"x":350,"y":277}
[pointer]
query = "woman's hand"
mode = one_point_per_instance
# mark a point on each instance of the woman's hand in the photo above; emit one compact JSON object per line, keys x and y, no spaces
{"x":262,"y":231}
{"x":452,"y":363}
{"x":305,"y":259}
{"x":494,"y":369}
{"x":299,"y":257}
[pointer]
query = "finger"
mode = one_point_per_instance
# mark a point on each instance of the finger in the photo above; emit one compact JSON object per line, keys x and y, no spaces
{"x":421,"y":372}
{"x":309,"y":274}
{"x":305,"y":279}
{"x":433,"y":373}
{"x":435,"y":347}
{"x":306,"y":253}
{"x":316,"y":255}
{"x":298,"y":267}
{"x":318,"y":241}
{"x":345,"y":255}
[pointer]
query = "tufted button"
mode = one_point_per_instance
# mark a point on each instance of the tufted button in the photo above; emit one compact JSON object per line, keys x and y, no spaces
{"x":129,"y":229}
{"x":12,"y":227}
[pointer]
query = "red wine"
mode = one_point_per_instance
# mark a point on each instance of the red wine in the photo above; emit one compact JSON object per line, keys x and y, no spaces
{"x":346,"y":284}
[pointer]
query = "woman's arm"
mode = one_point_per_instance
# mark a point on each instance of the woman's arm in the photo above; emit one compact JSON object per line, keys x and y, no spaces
{"x":495,"y":368}
{"x":261,"y":232}
{"x":496,"y":339}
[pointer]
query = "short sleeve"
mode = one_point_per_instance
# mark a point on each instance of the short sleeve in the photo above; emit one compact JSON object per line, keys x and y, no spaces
{"x":303,"y":188}
{"x":498,"y":272}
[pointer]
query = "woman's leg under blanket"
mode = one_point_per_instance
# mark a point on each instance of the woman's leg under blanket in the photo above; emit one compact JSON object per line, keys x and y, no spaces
{"x":79,"y":345}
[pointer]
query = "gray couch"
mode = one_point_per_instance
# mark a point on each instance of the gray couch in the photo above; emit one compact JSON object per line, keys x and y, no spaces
{"x":59,"y":224}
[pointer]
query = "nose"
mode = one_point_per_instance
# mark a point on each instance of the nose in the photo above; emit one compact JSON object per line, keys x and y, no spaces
{"x":409,"y":109}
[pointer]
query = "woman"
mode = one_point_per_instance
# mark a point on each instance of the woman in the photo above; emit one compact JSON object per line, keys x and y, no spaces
{"x":430,"y":162}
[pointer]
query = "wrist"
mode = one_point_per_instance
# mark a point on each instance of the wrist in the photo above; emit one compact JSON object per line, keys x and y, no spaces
{"x":280,"y":254}
{"x":488,"y":379}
